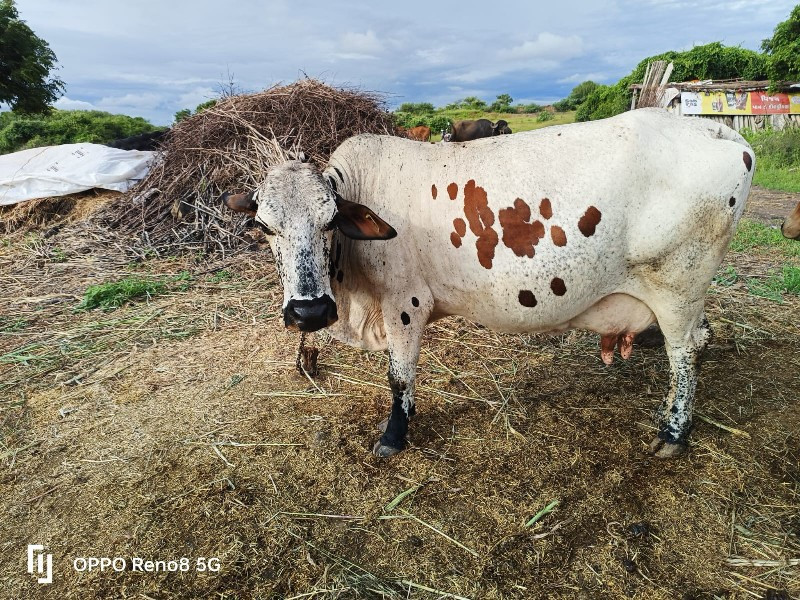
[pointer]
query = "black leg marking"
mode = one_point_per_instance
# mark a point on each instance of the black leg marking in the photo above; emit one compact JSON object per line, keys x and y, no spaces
{"x":394,"y":438}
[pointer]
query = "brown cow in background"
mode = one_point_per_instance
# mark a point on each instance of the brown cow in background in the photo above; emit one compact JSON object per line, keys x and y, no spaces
{"x":421,"y":133}
{"x":791,"y":226}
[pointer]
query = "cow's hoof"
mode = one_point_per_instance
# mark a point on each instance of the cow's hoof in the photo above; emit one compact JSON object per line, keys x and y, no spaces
{"x":384,"y":451}
{"x":383,"y":425}
{"x":662,"y":449}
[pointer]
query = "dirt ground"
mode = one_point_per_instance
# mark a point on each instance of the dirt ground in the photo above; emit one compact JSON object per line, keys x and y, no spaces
{"x":178,"y":428}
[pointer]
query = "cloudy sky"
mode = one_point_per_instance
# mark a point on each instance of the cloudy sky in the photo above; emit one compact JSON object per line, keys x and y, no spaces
{"x":151,"y":58}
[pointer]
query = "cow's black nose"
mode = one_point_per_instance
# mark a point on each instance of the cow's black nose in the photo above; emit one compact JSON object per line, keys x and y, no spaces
{"x":310,"y":315}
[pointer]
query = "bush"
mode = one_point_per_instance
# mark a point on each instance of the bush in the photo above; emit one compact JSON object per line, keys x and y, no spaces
{"x":18,"y":132}
{"x":564,"y":105}
{"x":605,"y":101}
{"x":528,"y":108}
{"x":416,"y":107}
{"x":544,"y":116}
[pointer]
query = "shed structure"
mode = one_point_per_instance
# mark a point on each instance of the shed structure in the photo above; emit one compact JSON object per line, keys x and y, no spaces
{"x":737,"y":103}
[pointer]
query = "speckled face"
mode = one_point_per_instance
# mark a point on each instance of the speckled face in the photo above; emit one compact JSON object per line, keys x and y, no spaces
{"x":296,"y":207}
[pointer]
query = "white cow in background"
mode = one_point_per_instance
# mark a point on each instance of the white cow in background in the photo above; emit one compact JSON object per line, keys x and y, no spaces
{"x":608,"y":226}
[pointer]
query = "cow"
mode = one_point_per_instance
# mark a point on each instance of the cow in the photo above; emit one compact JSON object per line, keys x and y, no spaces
{"x":791,"y":226}
{"x":421,"y":133}
{"x":465,"y":131}
{"x":608,"y":226}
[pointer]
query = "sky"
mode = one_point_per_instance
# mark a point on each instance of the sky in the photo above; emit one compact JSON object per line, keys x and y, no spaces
{"x":152,"y":58}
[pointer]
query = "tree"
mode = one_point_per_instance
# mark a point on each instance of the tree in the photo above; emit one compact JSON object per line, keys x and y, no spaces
{"x":581,"y":91}
{"x":25,"y":64}
{"x":502,"y":104}
{"x":783,"y":49}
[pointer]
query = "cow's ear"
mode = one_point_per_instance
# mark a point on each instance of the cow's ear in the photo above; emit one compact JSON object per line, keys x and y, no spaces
{"x":243,"y":203}
{"x":358,"y":222}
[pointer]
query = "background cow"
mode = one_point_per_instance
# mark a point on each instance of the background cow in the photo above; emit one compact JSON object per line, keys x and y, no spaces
{"x":542,"y":231}
{"x":465,"y":131}
{"x":791,"y":226}
{"x":421,"y":133}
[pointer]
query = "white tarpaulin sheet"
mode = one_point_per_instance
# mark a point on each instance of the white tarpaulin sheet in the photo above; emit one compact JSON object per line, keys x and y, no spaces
{"x":69,"y":168}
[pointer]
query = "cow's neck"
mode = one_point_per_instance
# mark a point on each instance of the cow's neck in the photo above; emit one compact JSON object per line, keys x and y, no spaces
{"x":360,"y":318}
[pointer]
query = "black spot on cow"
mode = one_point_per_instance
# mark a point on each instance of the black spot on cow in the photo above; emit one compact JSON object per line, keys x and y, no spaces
{"x":558,"y":286}
{"x":732,"y":202}
{"x":526,"y":298}
{"x":748,"y":160}
{"x":339,"y":173}
{"x":332,"y":183}
{"x":405,"y":318}
{"x":415,"y":301}
{"x":339,"y":276}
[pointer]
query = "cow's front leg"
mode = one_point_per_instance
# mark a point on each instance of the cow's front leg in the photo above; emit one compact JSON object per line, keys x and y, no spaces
{"x":674,"y":416}
{"x":404,"y":326}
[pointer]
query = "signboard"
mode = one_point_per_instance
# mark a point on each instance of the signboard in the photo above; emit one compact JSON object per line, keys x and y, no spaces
{"x":739,"y":103}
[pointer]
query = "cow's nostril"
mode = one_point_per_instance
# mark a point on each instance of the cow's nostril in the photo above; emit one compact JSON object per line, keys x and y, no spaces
{"x":310,"y":315}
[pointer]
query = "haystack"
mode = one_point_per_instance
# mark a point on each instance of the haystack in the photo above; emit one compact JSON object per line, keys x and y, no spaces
{"x":227,"y":148}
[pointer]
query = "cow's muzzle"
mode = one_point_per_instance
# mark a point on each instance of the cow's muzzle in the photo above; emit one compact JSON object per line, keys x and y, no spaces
{"x":789,"y":232}
{"x":310,"y":315}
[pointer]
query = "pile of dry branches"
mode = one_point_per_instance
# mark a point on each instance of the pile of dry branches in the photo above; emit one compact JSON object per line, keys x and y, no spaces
{"x":227,"y":148}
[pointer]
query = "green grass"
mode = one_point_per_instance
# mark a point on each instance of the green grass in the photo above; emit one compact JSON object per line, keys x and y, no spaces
{"x":777,"y":158}
{"x":787,"y":281}
{"x":114,"y":294}
{"x":752,"y":236}
{"x":772,"y":287}
{"x":518,"y":122}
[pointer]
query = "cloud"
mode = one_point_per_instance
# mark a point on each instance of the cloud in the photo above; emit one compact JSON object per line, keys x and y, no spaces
{"x":581,"y":77}
{"x":146,"y":101}
{"x":65,"y":103}
{"x":359,"y":45}
{"x":547,"y":46}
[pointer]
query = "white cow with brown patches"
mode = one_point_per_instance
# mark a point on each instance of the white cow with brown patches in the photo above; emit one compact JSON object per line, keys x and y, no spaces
{"x":608,"y":226}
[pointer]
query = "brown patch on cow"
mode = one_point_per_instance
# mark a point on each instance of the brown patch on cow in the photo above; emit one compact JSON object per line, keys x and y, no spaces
{"x":545,"y":208}
{"x":558,"y":286}
{"x":452,"y":191}
{"x":526,"y":298}
{"x":625,"y":344}
{"x":558,"y":235}
{"x":434,"y":191}
{"x":455,"y":239}
{"x":518,"y":234}
{"x":589,"y":220}
{"x":461,"y":227}
{"x":480,"y":218}
{"x":748,"y":160}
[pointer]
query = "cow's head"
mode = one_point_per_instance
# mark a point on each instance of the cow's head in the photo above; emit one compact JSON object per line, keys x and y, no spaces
{"x":791,"y":226}
{"x":500,"y":128}
{"x":299,"y":212}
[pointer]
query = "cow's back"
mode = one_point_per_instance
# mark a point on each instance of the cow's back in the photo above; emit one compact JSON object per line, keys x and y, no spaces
{"x":506,"y":214}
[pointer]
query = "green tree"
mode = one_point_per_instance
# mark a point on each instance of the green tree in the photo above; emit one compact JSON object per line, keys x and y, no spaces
{"x":416,"y":107}
{"x":710,"y":61}
{"x":581,"y":91}
{"x":783,"y":49}
{"x":502,"y":104}
{"x":25,"y":65}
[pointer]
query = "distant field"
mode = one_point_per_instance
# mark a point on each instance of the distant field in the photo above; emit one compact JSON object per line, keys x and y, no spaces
{"x":516,"y":121}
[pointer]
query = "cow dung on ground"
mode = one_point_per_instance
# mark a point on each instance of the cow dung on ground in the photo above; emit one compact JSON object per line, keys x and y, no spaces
{"x":177,"y":426}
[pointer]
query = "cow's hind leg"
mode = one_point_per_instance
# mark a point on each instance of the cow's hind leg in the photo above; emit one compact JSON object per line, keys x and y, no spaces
{"x":405,"y":320}
{"x":686,"y":338}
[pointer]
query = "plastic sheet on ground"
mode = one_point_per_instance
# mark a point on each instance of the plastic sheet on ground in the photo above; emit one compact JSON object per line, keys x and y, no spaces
{"x":67,"y":169}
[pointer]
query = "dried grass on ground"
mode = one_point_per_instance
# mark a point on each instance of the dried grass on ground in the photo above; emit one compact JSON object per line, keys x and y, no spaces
{"x":227,"y":148}
{"x":179,"y":427}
